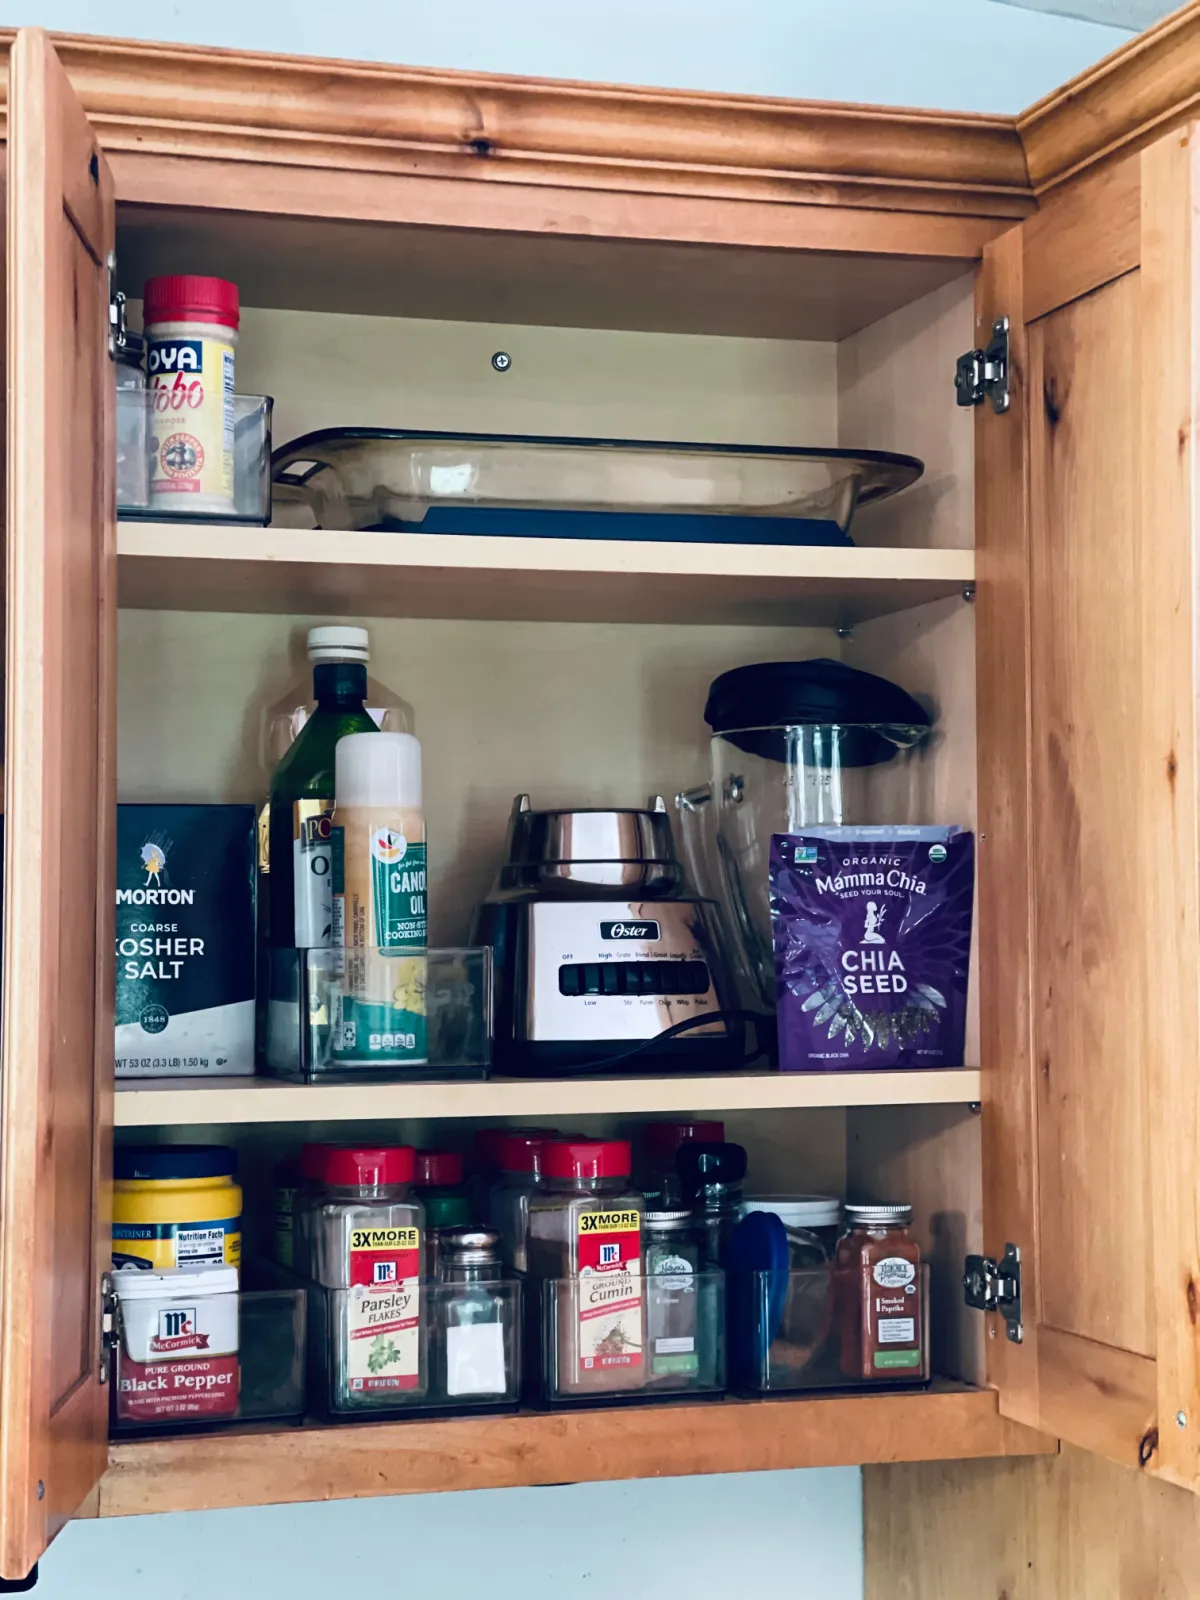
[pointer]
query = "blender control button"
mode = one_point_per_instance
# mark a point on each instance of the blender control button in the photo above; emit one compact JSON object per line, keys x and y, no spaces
{"x":639,"y":977}
{"x":610,"y":978}
{"x":666,"y":977}
{"x":694,"y":977}
{"x":568,"y":979}
{"x":591,"y":979}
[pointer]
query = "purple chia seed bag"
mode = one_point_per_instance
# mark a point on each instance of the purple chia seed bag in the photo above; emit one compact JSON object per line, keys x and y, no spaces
{"x":872,"y":931}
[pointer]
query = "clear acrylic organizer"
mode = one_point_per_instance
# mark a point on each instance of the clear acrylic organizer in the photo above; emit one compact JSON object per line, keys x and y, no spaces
{"x":137,"y":414}
{"x":316,"y":997}
{"x":257,"y":1374}
{"x":462,"y":1355}
{"x":786,"y":1334}
{"x":665,"y":1340}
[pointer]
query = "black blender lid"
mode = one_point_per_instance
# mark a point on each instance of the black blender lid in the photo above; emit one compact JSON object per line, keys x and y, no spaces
{"x":774,"y":694}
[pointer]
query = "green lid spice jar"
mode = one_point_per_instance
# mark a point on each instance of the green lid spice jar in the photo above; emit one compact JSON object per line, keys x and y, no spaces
{"x":437,"y":1180}
{"x":585,"y":1244}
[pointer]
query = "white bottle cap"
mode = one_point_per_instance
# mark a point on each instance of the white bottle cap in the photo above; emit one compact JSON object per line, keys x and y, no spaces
{"x":338,"y":644}
{"x":377,"y":769}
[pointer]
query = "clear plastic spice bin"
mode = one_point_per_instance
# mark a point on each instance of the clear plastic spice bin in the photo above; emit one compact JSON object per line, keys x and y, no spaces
{"x":667,"y":1340}
{"x":792,"y":1331}
{"x":193,"y":1351}
{"x":470,"y":1354}
{"x":140,"y":418}
{"x":308,"y":1008}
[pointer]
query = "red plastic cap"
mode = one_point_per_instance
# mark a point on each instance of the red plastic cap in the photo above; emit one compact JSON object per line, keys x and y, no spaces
{"x":522,"y":1152}
{"x":662,"y":1139}
{"x":488,"y":1144}
{"x":438,"y":1169}
{"x":185,"y":298}
{"x":587,"y":1158}
{"x":371,"y":1168}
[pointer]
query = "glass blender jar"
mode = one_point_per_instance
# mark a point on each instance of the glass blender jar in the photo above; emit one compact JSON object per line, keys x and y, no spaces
{"x":795,"y":745}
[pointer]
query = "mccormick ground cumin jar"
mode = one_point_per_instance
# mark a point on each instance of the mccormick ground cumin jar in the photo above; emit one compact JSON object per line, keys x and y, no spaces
{"x":176,"y":1205}
{"x":585,"y":1244}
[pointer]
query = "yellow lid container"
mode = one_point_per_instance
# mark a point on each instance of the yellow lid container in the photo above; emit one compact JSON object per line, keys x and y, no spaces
{"x":176,"y":1205}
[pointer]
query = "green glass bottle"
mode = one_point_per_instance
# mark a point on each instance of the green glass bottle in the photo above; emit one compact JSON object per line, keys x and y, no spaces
{"x":301,"y":802}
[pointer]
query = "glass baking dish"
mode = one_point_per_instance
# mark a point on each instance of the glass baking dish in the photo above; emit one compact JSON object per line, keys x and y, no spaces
{"x":507,"y":484}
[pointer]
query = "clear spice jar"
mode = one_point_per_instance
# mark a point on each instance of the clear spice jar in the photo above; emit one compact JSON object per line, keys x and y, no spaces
{"x":677,"y":1331}
{"x":585,"y":1247}
{"x":520,"y":1159}
{"x":477,"y":1338}
{"x":711,"y":1176}
{"x":133,"y":458}
{"x":879,"y":1297}
{"x":366,"y":1230}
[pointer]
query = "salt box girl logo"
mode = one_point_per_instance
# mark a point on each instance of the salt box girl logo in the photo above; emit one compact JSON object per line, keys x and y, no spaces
{"x":154,"y":860}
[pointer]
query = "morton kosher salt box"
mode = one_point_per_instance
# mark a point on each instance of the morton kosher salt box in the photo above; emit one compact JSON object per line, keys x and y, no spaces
{"x":185,"y":940}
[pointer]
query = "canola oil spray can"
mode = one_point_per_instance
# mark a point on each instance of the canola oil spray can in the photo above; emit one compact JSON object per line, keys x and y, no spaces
{"x":379,"y":901}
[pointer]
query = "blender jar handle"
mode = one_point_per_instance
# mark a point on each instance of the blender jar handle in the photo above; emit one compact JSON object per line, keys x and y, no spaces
{"x":693,"y":806}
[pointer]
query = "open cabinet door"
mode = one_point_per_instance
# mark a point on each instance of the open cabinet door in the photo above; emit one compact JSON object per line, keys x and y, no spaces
{"x":56,"y":1037}
{"x":1087,"y":618}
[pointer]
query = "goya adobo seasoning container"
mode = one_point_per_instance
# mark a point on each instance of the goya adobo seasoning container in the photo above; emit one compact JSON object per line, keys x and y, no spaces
{"x":176,"y":1205}
{"x":191,"y":329}
{"x":585,"y":1244}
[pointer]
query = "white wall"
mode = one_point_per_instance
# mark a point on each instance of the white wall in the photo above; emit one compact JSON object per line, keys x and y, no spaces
{"x":791,"y":1534}
{"x":798,"y":1534}
{"x":964,"y":55}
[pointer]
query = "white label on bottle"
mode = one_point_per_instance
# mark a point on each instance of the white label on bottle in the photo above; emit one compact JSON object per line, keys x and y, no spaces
{"x":893,"y":1272}
{"x":897,"y":1330}
{"x":312,"y":859}
{"x":674,"y":1347}
{"x":475,"y":1359}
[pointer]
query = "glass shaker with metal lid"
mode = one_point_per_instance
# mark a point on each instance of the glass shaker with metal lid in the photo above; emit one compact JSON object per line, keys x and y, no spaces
{"x":477,"y":1326}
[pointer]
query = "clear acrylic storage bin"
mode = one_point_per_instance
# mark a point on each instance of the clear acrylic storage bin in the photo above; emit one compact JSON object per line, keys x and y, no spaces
{"x":342,"y":1015}
{"x":787,"y":1332}
{"x":665,"y":1339}
{"x":173,"y":1368}
{"x":138,"y":418}
{"x":459,"y":1350}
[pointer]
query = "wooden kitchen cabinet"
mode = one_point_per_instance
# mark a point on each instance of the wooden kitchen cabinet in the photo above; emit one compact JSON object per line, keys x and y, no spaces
{"x":1039,"y":587}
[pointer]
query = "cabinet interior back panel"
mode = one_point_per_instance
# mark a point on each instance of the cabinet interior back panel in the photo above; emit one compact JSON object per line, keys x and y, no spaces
{"x":331,"y":370}
{"x":573,"y":713}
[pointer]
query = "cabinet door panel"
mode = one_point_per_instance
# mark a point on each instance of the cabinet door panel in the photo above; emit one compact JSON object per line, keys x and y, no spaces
{"x":56,"y":1041}
{"x":1089,"y":800}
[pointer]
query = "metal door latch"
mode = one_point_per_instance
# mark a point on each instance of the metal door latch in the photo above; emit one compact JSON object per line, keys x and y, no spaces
{"x":996,"y":1286}
{"x":109,"y":1332}
{"x":116,"y":311}
{"x":983,"y":374}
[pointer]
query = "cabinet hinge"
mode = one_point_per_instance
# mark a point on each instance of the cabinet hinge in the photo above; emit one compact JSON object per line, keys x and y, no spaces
{"x":996,"y":1286}
{"x":116,"y":311}
{"x":108,"y":1324}
{"x":983,"y":374}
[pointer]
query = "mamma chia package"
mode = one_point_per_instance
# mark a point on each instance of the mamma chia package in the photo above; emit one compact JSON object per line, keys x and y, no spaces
{"x":872,"y":934}
{"x":185,"y":941}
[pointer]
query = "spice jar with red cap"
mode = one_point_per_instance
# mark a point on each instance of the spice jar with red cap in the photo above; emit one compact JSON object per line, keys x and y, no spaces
{"x":191,"y":330}
{"x":437,"y":1179}
{"x":367,"y":1229}
{"x":660,"y":1144}
{"x":585,"y":1245}
{"x":520,"y":1158}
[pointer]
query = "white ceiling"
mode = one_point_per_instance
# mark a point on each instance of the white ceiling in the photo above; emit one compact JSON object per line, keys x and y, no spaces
{"x":1132,"y":14}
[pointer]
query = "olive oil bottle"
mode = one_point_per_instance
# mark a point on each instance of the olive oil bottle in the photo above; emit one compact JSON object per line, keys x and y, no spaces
{"x":301,"y":806}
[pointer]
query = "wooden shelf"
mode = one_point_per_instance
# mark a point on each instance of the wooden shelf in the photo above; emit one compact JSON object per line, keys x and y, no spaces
{"x":219,"y":567}
{"x":177,"y":1102}
{"x":272,"y":1467}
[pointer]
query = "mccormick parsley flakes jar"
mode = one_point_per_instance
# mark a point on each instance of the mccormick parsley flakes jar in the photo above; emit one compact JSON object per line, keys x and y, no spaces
{"x":191,"y":330}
